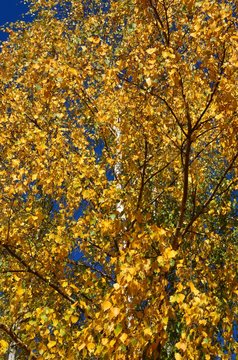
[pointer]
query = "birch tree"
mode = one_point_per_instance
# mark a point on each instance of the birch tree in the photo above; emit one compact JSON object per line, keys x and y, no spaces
{"x":149,"y":202}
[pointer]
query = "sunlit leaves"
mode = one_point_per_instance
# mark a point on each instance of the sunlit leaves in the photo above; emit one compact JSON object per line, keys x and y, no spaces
{"x":106,"y":305}
{"x":3,"y":347}
{"x":118,"y":172}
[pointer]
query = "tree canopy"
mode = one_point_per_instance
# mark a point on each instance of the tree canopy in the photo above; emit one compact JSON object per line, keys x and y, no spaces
{"x":118,"y":168}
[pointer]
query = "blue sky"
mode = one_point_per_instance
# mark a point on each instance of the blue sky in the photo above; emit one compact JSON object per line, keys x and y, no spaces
{"x":10,"y":11}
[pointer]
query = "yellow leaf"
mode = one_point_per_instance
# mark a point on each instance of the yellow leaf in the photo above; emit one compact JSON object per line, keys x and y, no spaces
{"x":179,"y":298}
{"x":123,"y":337}
{"x":94,"y":39}
{"x":181,"y":346}
{"x":105,"y":224}
{"x":104,"y":341}
{"x":165,"y":320}
{"x":148,"y":331}
{"x":58,"y":239}
{"x":64,"y":284}
{"x":3,"y":347}
{"x":106,"y":305}
{"x":167,"y":54}
{"x":73,"y":71}
{"x":74,"y":318}
{"x":34,"y":177}
{"x":112,"y":342}
{"x":160,"y":260}
{"x":178,"y":356}
{"x":55,"y":322}
{"x":193,"y":289}
{"x":148,"y":81}
{"x":20,"y":291}
{"x":114,"y":312}
{"x":41,"y":147}
{"x":116,"y":286}
{"x":51,"y":344}
{"x":81,"y":347}
{"x":170,"y":253}
{"x":151,"y":50}
{"x":90,"y":346}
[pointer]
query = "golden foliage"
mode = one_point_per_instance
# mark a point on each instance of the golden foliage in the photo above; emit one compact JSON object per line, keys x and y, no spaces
{"x":127,"y":111}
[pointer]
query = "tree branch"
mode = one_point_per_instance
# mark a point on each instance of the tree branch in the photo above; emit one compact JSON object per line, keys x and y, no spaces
{"x":205,"y":205}
{"x":186,"y":170}
{"x":151,"y":92}
{"x":41,"y":277}
{"x":197,"y":124}
{"x":143,"y":176}
{"x":158,"y":18}
{"x":17,"y":340}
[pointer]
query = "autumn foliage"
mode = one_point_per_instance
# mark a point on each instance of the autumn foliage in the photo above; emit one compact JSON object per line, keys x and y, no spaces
{"x":118,"y":192}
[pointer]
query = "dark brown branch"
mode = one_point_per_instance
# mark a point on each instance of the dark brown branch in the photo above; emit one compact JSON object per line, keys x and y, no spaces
{"x":215,"y":191}
{"x":194,"y":200}
{"x":12,"y":271}
{"x":185,"y":195}
{"x":151,"y":92}
{"x":161,"y":193}
{"x":170,"y":109}
{"x":207,"y":130}
{"x":159,"y":21}
{"x":100,"y":248}
{"x":186,"y":106}
{"x":196,"y":125}
{"x":140,"y":167}
{"x":174,"y":142}
{"x":143,"y":176}
{"x":34,"y":121}
{"x":41,"y":277}
{"x":156,"y":13}
{"x":17,"y":340}
{"x":158,"y":171}
{"x":234,"y":182}
{"x":205,"y":146}
{"x":93,"y":109}
{"x":103,"y":274}
{"x":186,"y":170}
{"x":167,"y":22}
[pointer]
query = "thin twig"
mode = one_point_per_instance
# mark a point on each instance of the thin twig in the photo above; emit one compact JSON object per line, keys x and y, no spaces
{"x":215,"y":191}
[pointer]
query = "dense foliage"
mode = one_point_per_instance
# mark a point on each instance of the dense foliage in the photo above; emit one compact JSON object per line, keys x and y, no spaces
{"x":118,"y":167}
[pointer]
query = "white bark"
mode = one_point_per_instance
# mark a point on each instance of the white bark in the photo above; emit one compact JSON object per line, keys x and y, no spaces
{"x":120,"y":206}
{"x":12,"y":351}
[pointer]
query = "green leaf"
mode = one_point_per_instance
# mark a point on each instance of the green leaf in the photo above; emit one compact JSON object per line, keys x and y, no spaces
{"x":118,"y":329}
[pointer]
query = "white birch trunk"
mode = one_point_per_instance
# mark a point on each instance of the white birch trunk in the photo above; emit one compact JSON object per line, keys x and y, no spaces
{"x":120,"y":206}
{"x":12,"y":352}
